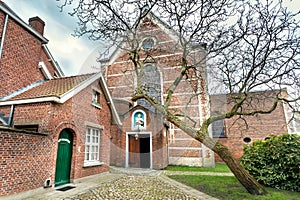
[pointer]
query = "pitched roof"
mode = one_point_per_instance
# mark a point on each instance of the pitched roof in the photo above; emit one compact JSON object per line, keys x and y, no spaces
{"x":53,"y":88}
{"x":60,"y":90}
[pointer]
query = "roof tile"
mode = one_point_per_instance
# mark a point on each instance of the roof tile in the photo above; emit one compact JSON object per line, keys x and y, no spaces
{"x":53,"y":88}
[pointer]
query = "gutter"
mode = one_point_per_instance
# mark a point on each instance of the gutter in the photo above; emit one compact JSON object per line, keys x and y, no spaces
{"x":3,"y":34}
{"x":35,"y":100}
{"x":69,"y":94}
{"x":58,"y":99}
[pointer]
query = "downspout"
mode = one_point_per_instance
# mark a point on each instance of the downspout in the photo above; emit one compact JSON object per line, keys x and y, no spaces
{"x":3,"y":34}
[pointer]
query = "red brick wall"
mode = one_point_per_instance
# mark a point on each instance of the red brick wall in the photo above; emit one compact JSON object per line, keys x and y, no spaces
{"x":52,"y":119}
{"x":21,"y":54}
{"x":154,"y":125}
{"x":257,"y":127}
{"x":24,"y":161}
{"x":166,"y":55}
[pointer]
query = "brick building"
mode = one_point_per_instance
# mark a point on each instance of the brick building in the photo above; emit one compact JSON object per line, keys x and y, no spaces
{"x":53,"y":129}
{"x":242,"y":130}
{"x":160,"y":56}
{"x":56,"y":129}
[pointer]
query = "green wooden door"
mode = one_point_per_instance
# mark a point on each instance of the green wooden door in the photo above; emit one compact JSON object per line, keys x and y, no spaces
{"x":64,"y":158}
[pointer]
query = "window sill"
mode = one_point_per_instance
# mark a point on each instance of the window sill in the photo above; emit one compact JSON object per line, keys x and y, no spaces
{"x":92,"y":164}
{"x":97,"y":105}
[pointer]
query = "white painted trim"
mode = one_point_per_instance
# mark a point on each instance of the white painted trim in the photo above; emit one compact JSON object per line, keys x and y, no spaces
{"x":35,"y":100}
{"x":69,"y":94}
{"x":45,"y":70}
{"x":57,"y":67}
{"x":127,"y":146}
{"x":3,"y":34}
{"x":64,"y":140}
{"x":92,"y":163}
{"x":110,"y":100}
{"x":133,"y":127}
{"x":185,"y":148}
{"x":93,"y":125}
{"x":22,"y":23}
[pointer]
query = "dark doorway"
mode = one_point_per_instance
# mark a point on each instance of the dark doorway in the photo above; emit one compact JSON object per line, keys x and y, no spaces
{"x":145,"y":152}
{"x":139,"y":151}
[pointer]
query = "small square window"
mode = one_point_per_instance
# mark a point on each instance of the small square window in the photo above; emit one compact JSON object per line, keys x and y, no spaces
{"x":96,"y":99}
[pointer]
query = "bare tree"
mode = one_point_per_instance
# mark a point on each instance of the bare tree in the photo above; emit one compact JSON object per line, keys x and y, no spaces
{"x":249,"y":45}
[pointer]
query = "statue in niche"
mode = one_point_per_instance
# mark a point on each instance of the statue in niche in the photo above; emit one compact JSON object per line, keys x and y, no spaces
{"x":139,"y":121}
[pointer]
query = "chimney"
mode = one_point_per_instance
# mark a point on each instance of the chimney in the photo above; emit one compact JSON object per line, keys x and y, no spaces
{"x":37,"y":24}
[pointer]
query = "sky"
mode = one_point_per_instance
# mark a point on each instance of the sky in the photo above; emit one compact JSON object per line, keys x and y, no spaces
{"x":74,"y":55}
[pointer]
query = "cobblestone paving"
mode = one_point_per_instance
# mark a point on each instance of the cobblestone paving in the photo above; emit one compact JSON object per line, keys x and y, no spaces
{"x":136,"y":188}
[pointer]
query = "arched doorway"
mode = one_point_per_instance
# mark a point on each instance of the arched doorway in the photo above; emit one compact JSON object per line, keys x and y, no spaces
{"x":64,"y":158}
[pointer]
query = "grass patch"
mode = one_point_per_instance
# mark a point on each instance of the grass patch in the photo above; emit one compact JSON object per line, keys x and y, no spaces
{"x":228,"y":188}
{"x":219,"y":168}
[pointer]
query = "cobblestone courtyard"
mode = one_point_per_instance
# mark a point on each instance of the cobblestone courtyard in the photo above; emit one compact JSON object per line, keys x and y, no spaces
{"x":136,"y":188}
{"x":120,"y":184}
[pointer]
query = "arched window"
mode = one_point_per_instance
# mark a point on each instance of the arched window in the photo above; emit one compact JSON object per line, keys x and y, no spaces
{"x":151,"y":82}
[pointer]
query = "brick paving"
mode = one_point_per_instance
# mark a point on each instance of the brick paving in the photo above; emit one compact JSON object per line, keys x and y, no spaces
{"x":136,"y":188}
{"x":144,"y":184}
{"x":122,"y":184}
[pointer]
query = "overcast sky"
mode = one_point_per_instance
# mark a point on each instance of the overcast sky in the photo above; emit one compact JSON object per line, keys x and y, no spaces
{"x":74,"y":55}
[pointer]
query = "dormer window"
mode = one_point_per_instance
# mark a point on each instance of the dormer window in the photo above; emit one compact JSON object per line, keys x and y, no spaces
{"x":96,"y":99}
{"x":148,"y":44}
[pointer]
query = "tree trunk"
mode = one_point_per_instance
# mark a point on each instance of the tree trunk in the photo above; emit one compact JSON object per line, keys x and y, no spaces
{"x":243,"y":176}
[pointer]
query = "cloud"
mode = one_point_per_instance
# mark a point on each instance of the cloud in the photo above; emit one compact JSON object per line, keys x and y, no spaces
{"x":69,"y":51}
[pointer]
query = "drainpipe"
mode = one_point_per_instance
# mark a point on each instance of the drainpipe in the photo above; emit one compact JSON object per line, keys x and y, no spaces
{"x":3,"y":34}
{"x":10,"y":119}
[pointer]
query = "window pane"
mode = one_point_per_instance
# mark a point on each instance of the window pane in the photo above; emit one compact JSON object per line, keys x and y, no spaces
{"x":92,"y":144}
{"x":88,"y":135}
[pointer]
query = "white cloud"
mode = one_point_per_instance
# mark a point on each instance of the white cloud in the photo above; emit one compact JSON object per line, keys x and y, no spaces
{"x":70,"y":52}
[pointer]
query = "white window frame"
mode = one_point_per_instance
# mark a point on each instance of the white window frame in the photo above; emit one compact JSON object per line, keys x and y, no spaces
{"x":92,"y":146}
{"x":96,"y":98}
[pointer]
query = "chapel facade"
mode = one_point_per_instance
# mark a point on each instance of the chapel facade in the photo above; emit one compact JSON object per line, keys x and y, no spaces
{"x":160,"y":56}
